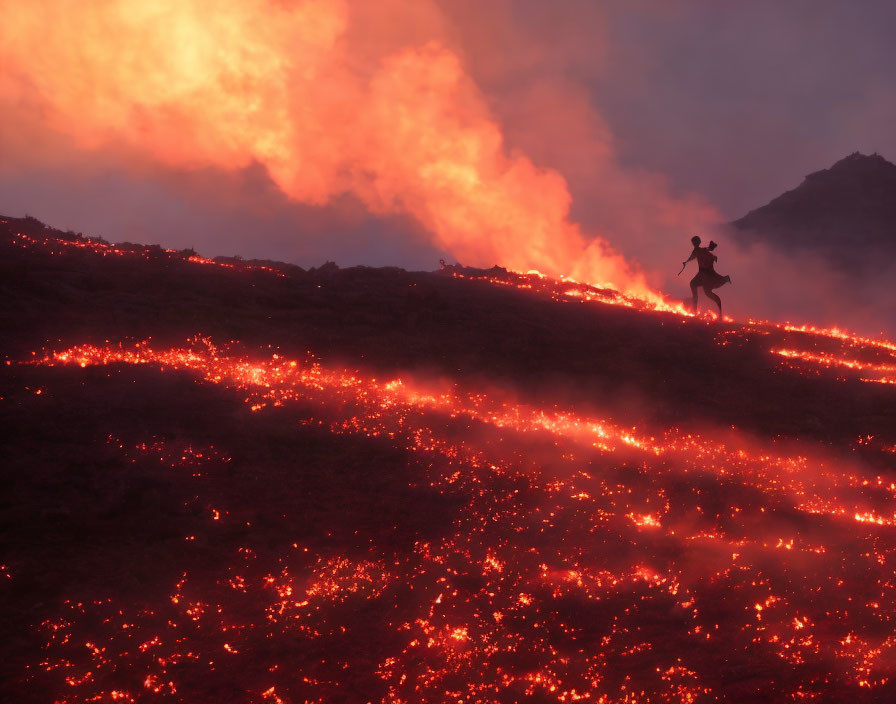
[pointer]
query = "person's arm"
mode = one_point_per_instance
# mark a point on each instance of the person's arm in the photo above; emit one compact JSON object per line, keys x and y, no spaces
{"x":693,"y":254}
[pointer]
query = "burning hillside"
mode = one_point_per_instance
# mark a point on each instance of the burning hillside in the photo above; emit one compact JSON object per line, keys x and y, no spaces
{"x":239,"y":481}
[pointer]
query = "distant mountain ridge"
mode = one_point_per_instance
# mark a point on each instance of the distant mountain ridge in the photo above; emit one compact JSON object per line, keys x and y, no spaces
{"x":843,"y":212}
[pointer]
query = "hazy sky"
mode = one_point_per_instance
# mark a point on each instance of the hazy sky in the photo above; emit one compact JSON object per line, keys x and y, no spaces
{"x":647,"y":119}
{"x":739,"y":101}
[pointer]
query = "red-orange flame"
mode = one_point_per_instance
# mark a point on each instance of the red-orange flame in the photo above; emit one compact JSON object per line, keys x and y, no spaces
{"x":279,"y":83}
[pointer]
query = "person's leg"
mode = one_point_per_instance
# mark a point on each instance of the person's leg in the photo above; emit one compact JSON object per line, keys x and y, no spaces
{"x":694,"y":296}
{"x":713,"y":297}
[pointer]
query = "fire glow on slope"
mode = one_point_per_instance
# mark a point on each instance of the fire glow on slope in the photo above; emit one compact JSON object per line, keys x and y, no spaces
{"x":804,"y":348}
{"x":808,"y":346}
{"x":593,"y":562}
{"x":57,"y":245}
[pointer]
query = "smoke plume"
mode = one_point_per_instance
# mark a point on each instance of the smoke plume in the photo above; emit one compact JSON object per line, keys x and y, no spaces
{"x":331,"y":98}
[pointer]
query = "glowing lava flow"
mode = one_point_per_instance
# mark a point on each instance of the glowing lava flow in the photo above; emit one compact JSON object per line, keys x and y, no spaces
{"x":589,"y":562}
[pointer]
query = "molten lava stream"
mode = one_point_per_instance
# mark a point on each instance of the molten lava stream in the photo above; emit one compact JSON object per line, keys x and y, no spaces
{"x":588,"y":561}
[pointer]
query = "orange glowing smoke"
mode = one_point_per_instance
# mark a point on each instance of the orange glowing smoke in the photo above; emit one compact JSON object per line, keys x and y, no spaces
{"x":402,"y":126}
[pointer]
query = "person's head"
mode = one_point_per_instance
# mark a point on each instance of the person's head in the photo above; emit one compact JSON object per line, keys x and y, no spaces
{"x":695,"y":240}
{"x":712,"y":245}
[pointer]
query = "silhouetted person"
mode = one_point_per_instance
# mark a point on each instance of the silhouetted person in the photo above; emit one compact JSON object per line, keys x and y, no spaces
{"x":707,"y":277}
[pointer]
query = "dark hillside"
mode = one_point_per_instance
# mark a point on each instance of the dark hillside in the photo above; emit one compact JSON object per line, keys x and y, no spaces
{"x":239,"y":481}
{"x":848,"y":212}
{"x":641,"y":364}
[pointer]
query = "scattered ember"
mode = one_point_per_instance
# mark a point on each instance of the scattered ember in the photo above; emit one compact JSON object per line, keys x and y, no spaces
{"x":808,"y":345}
{"x":826,"y":347}
{"x":57,"y":245}
{"x":886,"y":372}
{"x":592,"y":562}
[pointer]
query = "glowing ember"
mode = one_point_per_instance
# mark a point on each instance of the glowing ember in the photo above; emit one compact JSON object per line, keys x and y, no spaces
{"x":57,"y":245}
{"x":807,"y":347}
{"x":840,"y":347}
{"x":887,"y":372}
{"x":590,"y":561}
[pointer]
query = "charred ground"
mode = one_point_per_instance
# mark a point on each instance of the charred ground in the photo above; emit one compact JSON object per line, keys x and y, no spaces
{"x":647,"y":366}
{"x":124,"y":483}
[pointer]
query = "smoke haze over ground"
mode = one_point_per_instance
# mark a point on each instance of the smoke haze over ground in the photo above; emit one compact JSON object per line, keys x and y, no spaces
{"x":774,"y":284}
